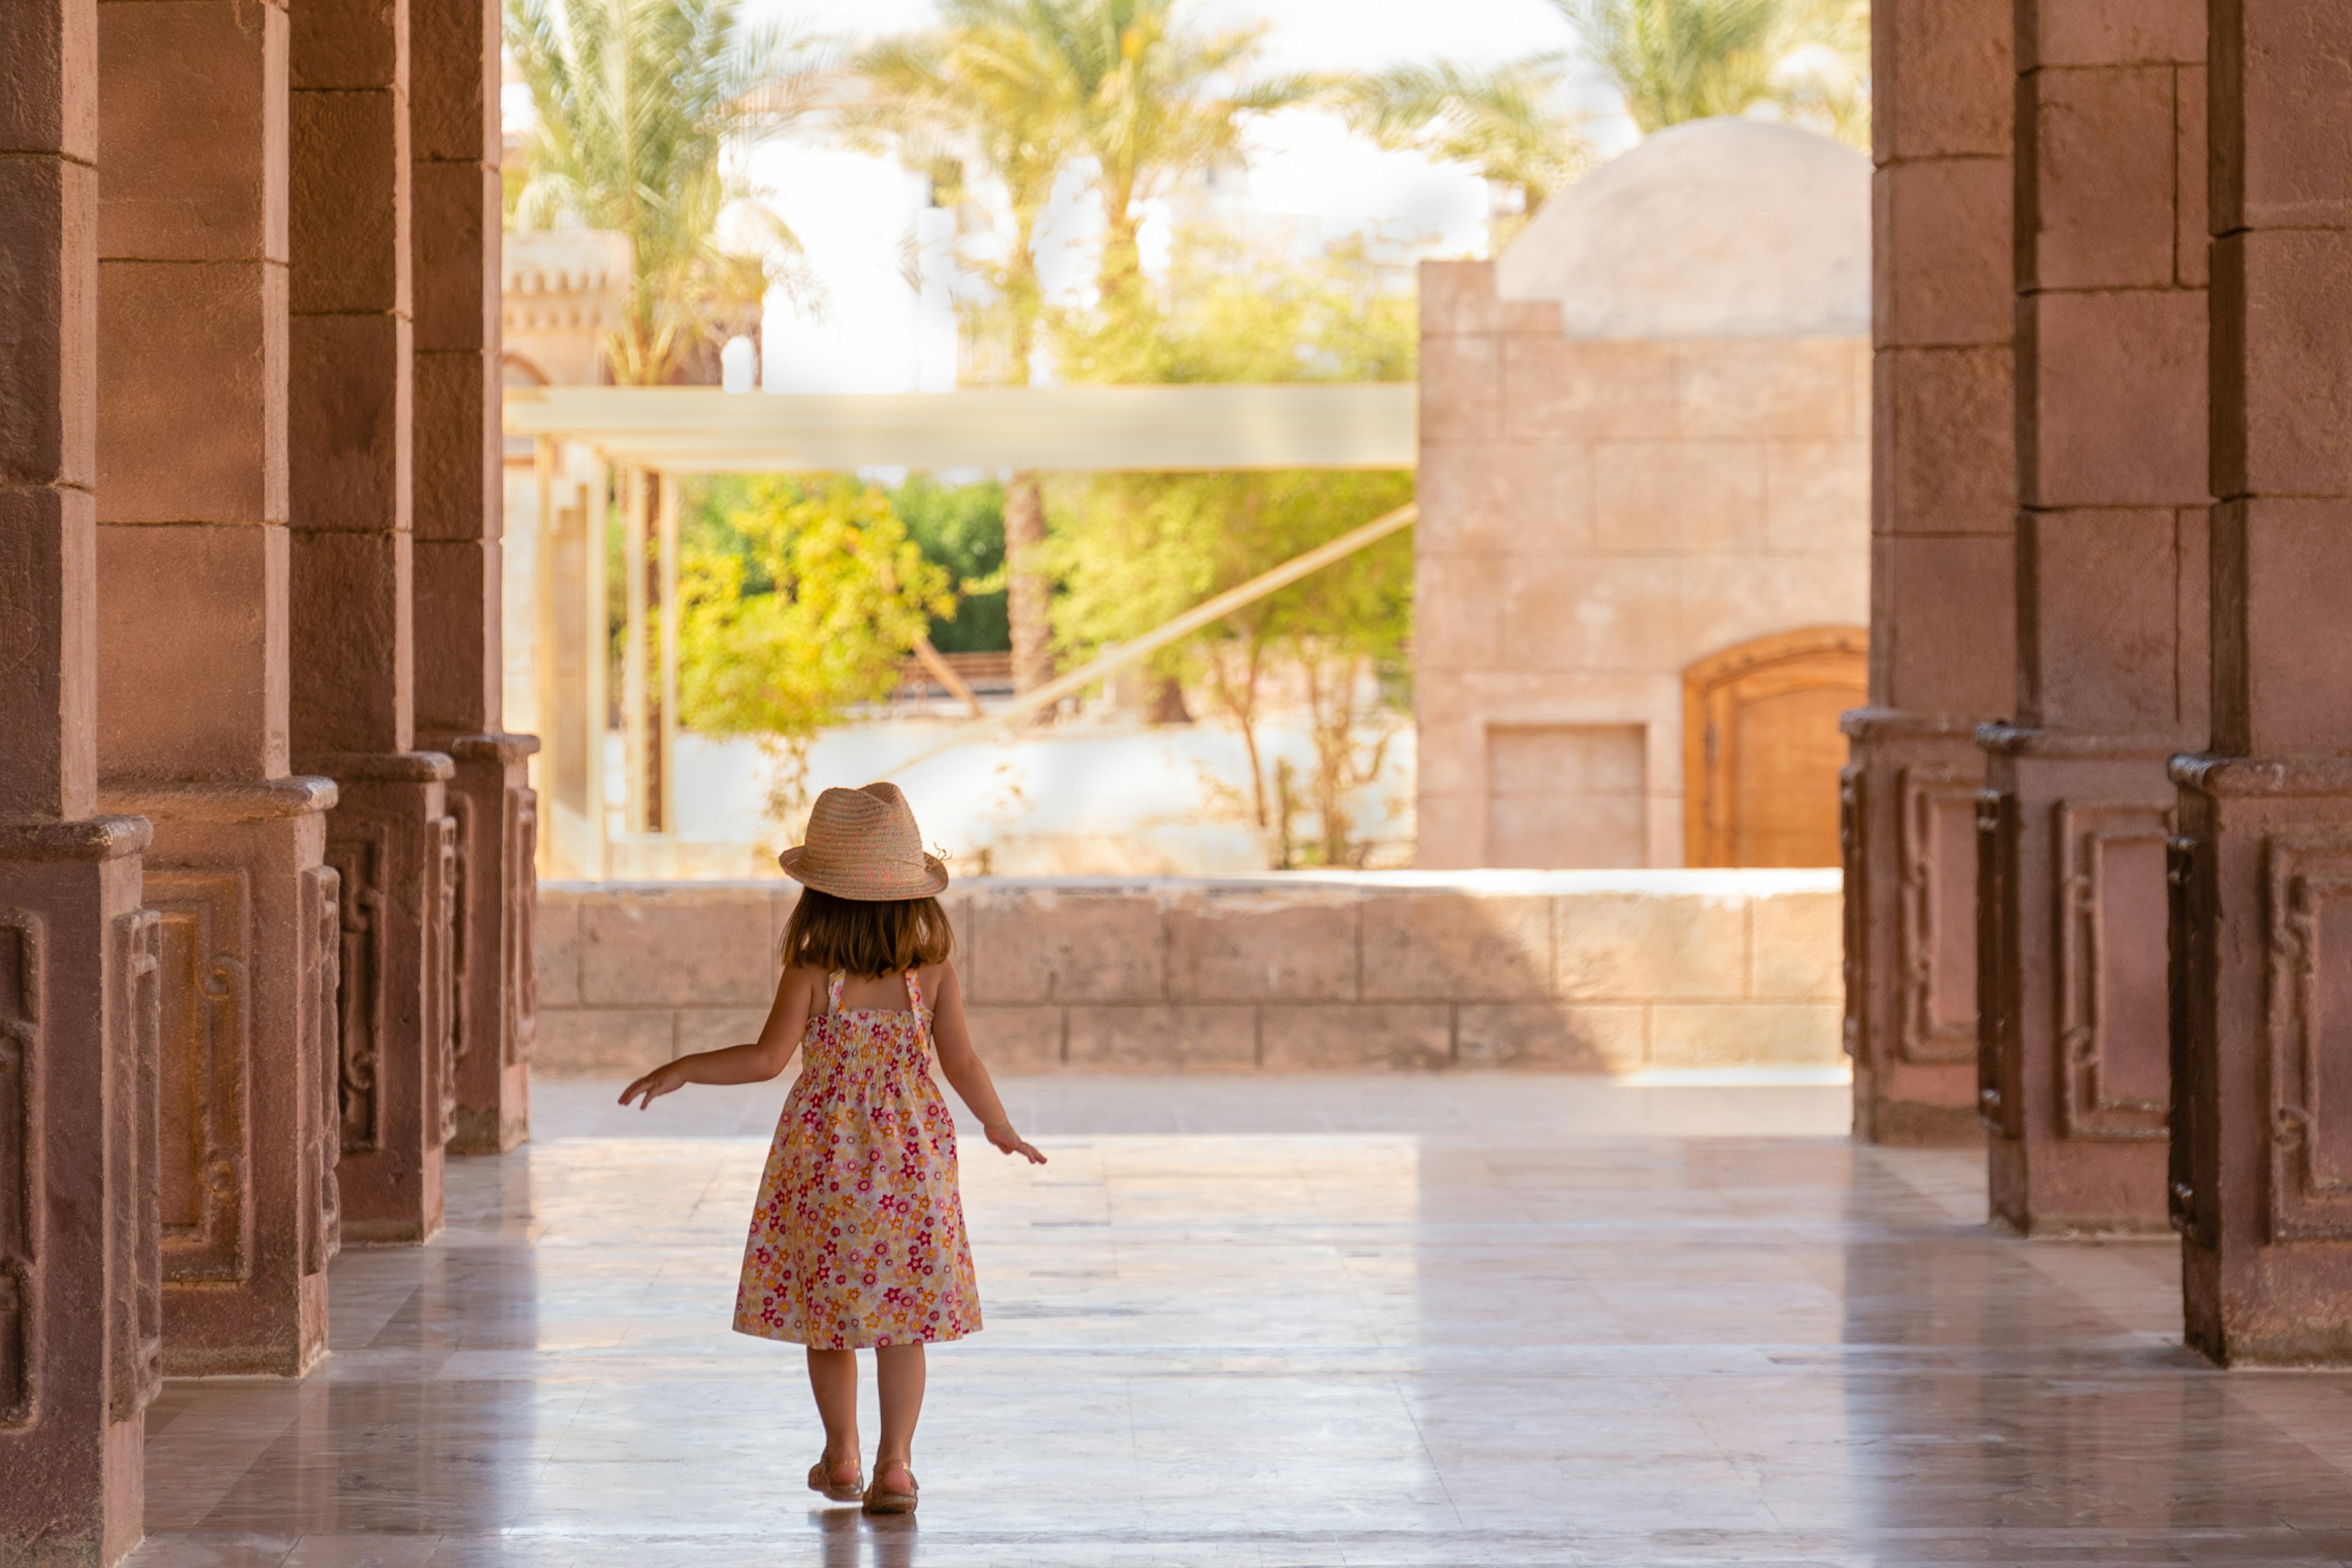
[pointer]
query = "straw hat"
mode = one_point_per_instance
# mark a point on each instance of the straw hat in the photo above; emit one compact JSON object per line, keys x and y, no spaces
{"x":863,"y":844}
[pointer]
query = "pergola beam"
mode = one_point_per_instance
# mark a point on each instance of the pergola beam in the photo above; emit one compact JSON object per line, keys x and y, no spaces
{"x":1065,"y":430}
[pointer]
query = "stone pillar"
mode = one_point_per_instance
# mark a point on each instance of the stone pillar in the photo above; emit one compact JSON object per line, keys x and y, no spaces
{"x":392,"y":840}
{"x":460,"y":481}
{"x":2111,"y":668}
{"x":1942,"y":516}
{"x":81,"y":1315}
{"x":2263,"y":864}
{"x":193,"y":677}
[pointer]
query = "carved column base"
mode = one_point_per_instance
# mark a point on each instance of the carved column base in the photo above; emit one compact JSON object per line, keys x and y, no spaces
{"x":2263,"y":1129}
{"x":391,"y":840}
{"x":80,"y":1319}
{"x":248,"y":1179}
{"x":1906,"y":812}
{"x":2075,"y":1071}
{"x":497,"y":906}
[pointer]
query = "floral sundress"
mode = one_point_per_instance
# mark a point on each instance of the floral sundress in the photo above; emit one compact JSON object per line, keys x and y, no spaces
{"x":859,"y":1237}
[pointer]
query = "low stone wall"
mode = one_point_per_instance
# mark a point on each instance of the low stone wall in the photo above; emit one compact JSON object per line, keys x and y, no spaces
{"x":1569,"y":971}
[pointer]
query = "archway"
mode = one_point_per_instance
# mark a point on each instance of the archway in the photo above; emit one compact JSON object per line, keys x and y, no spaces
{"x":1763,"y":748}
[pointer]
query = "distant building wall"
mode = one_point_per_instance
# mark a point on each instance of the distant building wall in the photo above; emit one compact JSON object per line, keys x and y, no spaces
{"x":561,"y":293}
{"x":1645,"y":443}
{"x":1586,"y":971}
{"x":1595,"y":518}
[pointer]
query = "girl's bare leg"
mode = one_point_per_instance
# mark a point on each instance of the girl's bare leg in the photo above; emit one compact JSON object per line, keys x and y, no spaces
{"x":832,"y":1378}
{"x":898,"y":1369}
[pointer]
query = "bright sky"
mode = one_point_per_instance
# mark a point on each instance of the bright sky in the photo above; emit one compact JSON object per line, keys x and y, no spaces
{"x":856,"y":215}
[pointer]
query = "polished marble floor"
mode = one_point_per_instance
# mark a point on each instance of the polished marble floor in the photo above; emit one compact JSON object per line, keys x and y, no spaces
{"x":1445,"y":1322}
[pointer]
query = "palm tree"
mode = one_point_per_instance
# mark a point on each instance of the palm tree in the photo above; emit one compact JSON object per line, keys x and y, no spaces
{"x":1672,"y":60}
{"x":1686,"y":60}
{"x":1153,"y":105}
{"x":1502,"y":121}
{"x":986,"y":85}
{"x":981,"y":87}
{"x":1028,"y":89}
{"x":640,"y":105}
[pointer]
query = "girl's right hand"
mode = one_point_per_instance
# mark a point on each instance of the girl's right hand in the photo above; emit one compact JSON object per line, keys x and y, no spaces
{"x":1001,"y":1134}
{"x":663,"y":1080}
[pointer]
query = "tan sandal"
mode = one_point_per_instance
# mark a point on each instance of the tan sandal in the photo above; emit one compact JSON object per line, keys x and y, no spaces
{"x":821,"y":1480}
{"x":881,"y":1500}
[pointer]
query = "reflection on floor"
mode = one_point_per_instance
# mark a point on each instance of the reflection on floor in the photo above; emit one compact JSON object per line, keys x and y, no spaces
{"x":1442,"y":1321}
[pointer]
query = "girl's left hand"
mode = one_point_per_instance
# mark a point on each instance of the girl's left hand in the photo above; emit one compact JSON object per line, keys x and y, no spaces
{"x":663,"y":1080}
{"x":1001,"y":1134}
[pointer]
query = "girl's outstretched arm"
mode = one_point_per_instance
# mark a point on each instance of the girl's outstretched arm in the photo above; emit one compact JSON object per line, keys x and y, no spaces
{"x":968,"y":1072}
{"x":797,"y":993}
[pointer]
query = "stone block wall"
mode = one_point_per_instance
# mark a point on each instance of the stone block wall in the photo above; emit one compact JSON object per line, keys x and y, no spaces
{"x":1595,"y":517}
{"x":1570,"y":972}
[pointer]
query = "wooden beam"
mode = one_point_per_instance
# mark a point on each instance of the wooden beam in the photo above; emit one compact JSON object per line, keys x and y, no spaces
{"x":944,"y":673}
{"x":665,"y":574}
{"x":543,"y":642}
{"x":635,"y":819}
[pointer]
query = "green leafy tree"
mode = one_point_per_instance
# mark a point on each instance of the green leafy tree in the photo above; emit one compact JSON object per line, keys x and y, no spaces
{"x":958,"y":528}
{"x":804,"y":610}
{"x":640,"y":105}
{"x":990,"y":86}
{"x":1029,"y":89}
{"x":961,"y":528}
{"x":1132,"y":550}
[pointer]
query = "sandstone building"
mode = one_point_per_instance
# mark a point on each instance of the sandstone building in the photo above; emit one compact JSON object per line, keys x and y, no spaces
{"x":1642,"y":566}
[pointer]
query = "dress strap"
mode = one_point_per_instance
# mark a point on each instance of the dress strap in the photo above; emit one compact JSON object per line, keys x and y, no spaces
{"x":914,"y":992}
{"x":833,"y":990}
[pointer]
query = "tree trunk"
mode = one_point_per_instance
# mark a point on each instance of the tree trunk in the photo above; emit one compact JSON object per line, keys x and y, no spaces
{"x":1028,"y":593}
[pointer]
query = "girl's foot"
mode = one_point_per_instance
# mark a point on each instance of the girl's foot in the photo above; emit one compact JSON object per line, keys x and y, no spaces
{"x":839,"y":1479}
{"x":893,"y":1491}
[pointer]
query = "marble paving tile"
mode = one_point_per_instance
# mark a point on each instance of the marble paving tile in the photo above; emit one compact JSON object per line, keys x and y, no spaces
{"x":1386,"y":1323}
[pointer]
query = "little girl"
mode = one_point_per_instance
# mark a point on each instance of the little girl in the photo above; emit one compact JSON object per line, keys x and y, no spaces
{"x":858,"y":1239}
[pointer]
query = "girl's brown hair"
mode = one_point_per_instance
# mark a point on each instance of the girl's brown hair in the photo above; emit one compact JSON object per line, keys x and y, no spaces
{"x":876,"y":936}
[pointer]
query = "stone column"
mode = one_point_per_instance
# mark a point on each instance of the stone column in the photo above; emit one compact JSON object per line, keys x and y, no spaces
{"x":352,"y":694}
{"x":2111,"y":668}
{"x":79,"y":1306}
{"x":1942,"y":516}
{"x":461,"y":482}
{"x":192,"y":661}
{"x":2263,"y":865}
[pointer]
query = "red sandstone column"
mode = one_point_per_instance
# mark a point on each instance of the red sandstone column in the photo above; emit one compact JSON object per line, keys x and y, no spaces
{"x":353,"y":689}
{"x":2262,"y":1127}
{"x":1942,"y":516}
{"x":2111,"y":669}
{"x":460,"y":477}
{"x":192,"y":558}
{"x":79,"y":1315}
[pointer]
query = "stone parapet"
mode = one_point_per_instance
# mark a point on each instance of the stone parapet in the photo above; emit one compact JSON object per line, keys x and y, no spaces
{"x":245,"y":968}
{"x":392,"y":843}
{"x":496,"y":818}
{"x":1567,"y":970}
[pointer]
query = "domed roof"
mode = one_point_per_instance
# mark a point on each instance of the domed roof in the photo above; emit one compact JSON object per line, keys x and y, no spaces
{"x":1713,"y":228}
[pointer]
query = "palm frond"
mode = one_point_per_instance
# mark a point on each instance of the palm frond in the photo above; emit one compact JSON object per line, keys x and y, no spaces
{"x":1504,"y":122}
{"x":643,"y":107}
{"x":1686,"y":60}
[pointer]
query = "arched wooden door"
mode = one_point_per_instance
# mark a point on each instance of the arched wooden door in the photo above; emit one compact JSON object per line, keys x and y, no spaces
{"x":1763,"y":748}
